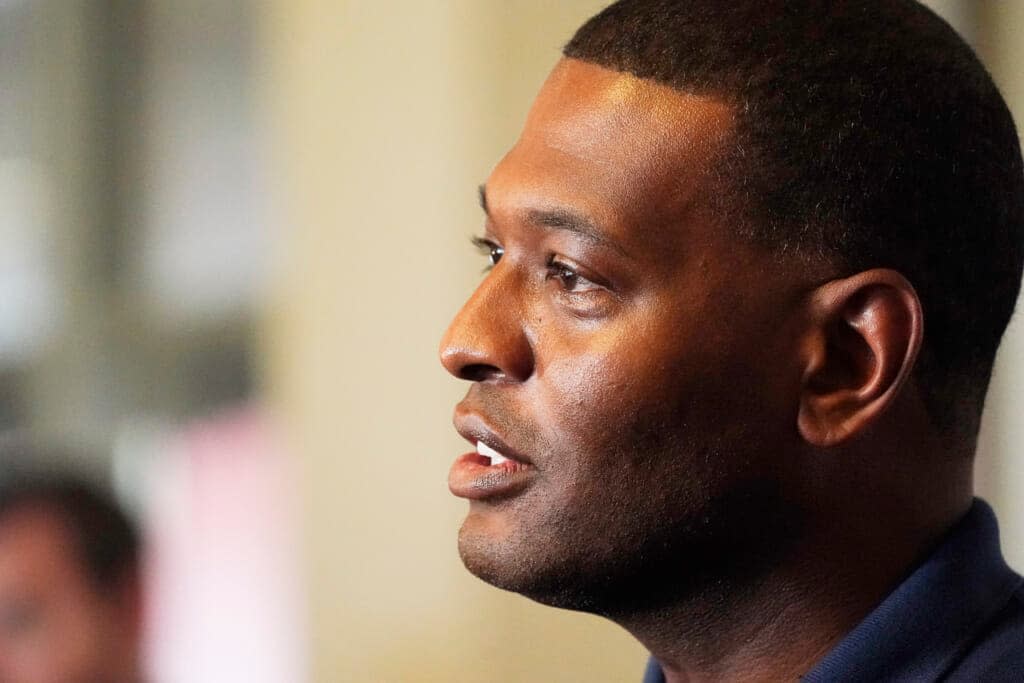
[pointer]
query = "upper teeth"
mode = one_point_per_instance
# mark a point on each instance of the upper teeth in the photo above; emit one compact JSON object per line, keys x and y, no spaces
{"x":496,"y":457}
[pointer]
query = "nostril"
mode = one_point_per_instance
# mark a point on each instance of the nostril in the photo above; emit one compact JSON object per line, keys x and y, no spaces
{"x":479,"y":372}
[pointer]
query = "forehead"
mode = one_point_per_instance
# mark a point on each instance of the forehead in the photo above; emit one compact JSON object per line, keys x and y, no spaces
{"x":624,"y":150}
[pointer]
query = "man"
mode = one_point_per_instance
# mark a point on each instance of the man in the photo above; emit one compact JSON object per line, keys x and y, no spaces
{"x":750,"y":264}
{"x":70,"y":597}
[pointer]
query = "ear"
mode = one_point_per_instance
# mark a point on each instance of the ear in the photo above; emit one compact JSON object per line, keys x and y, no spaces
{"x":864,"y":337}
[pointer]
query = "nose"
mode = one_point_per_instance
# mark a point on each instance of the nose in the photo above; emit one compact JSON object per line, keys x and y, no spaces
{"x":488,"y":340}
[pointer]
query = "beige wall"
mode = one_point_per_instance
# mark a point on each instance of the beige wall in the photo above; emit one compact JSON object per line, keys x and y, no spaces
{"x":387,"y":116}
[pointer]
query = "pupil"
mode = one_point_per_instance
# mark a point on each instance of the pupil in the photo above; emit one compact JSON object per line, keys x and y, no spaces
{"x":496,"y":254}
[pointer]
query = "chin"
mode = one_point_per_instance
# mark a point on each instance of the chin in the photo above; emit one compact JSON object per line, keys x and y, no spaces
{"x":491,"y":558}
{"x":555,"y":577}
{"x":630,"y":567}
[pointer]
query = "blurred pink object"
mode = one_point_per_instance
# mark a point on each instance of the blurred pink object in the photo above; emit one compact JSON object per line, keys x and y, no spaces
{"x":225,"y":600}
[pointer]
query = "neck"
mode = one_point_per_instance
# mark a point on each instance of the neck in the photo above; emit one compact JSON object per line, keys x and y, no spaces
{"x":779,"y":625}
{"x":776,"y":630}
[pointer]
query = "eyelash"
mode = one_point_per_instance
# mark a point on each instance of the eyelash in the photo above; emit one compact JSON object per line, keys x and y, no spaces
{"x":568,"y":276}
{"x":489,"y":249}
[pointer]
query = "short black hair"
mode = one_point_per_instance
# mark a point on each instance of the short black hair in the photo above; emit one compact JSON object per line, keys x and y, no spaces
{"x":868,"y":134}
{"x":103,"y":538}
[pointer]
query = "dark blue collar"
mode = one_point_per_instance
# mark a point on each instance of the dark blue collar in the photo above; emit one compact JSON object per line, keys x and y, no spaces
{"x":932,"y":619}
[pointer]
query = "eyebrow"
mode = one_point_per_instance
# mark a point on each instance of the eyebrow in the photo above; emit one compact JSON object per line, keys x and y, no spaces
{"x":562,"y":219}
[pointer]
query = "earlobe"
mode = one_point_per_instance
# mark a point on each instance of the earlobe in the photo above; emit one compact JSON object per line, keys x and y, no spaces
{"x":859,"y":349}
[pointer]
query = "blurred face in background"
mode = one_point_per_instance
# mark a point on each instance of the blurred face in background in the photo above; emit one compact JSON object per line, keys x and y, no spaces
{"x":56,"y":625}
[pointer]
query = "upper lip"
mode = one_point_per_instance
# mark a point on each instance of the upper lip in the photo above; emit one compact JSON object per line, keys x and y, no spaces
{"x":473,"y":428}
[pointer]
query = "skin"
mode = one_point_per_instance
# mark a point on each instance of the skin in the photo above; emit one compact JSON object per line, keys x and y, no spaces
{"x":55,"y":626}
{"x":728,"y":455}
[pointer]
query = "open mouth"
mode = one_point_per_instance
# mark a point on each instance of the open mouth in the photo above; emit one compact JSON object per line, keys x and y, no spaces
{"x":488,"y":473}
{"x":493,"y":456}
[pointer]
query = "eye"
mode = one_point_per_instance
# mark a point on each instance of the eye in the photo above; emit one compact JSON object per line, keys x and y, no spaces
{"x":569,"y":279}
{"x":492,"y":251}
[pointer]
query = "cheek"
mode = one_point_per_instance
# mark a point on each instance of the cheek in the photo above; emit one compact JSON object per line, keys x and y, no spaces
{"x":637,"y":392}
{"x":585,"y":388}
{"x":591,"y":375}
{"x":607,"y":405}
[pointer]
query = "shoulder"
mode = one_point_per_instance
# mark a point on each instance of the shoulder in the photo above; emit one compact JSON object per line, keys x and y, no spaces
{"x":998,"y":653}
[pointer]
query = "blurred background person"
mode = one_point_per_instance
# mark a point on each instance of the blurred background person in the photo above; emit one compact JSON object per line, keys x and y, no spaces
{"x":134,"y":256}
{"x":70,"y":585}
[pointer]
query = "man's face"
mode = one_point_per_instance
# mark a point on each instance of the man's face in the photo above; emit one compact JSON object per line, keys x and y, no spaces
{"x":630,"y":355}
{"x":55,"y":627}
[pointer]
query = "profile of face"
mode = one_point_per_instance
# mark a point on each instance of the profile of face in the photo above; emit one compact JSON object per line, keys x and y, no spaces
{"x":631,"y":360}
{"x":55,"y":625}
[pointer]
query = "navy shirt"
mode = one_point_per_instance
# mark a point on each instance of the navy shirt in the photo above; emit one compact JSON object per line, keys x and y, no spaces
{"x":958,"y":617}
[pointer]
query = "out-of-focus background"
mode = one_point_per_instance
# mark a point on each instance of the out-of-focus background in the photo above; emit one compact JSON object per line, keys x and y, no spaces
{"x":231,"y":235}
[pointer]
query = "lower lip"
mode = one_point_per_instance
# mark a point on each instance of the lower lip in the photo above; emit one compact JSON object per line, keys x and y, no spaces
{"x":472,"y":476}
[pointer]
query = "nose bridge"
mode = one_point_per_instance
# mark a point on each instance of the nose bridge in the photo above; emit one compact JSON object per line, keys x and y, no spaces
{"x":487,"y":340}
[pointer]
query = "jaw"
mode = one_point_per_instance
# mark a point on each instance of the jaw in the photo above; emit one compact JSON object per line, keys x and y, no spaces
{"x":647,"y":561}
